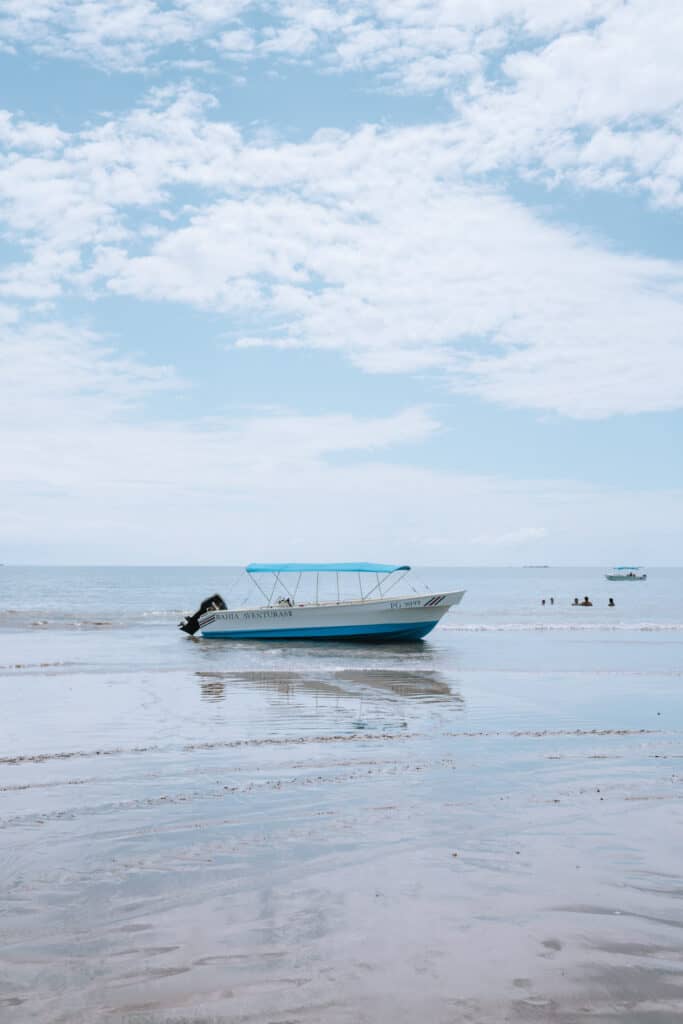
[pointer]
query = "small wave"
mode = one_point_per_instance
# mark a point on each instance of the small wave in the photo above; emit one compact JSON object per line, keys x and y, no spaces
{"x":579,"y":627}
{"x":188,"y":748}
{"x":37,"y":664}
{"x":73,"y":624}
{"x":167,"y":614}
{"x":549,"y":733}
{"x":371,"y":737}
{"x":31,"y":620}
{"x":49,"y":619}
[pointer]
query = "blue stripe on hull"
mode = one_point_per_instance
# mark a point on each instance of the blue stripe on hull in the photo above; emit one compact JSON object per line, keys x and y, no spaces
{"x":411,"y":631}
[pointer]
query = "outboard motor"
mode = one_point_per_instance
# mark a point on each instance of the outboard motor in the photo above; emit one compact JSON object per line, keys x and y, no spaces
{"x":190,"y":624}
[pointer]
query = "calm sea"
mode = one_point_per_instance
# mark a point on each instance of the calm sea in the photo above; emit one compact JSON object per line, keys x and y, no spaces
{"x":483,"y":826}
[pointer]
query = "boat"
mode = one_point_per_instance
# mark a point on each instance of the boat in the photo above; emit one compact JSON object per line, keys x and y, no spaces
{"x":374,"y":615}
{"x":626,"y":572}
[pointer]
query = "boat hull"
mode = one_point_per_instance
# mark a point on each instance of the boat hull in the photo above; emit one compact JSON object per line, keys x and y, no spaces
{"x":384,"y":620}
{"x":625,"y":579}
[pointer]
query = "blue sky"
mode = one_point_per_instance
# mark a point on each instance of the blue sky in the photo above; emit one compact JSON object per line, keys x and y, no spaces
{"x":341,"y":280}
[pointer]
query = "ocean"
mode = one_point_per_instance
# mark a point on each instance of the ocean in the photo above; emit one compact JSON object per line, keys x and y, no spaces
{"x":485,"y":826}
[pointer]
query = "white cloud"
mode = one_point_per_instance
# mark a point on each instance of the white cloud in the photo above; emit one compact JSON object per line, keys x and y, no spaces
{"x":80,"y":453}
{"x":89,"y":473}
{"x":236,"y":43}
{"x":375,"y":243}
{"x":380,"y":244}
{"x":56,"y":375}
{"x":84,"y":479}
{"x":422,"y":280}
{"x":600,"y":106}
{"x":416,"y":44}
{"x":21,"y":134}
{"x":590,"y":91}
{"x":119,"y":34}
{"x":68,"y":378}
{"x":371,"y":244}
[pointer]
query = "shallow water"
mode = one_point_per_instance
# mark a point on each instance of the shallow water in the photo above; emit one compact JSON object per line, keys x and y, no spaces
{"x":482,"y":827}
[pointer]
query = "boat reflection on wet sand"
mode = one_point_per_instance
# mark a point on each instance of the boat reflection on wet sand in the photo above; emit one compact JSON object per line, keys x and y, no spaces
{"x":349,"y":682}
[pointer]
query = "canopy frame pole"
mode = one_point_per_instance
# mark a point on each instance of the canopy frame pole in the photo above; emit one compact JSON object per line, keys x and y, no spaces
{"x":394,"y":582}
{"x":277,"y":580}
{"x":377,"y":586}
{"x":281,"y":583}
{"x":381,"y":581}
{"x":258,"y":586}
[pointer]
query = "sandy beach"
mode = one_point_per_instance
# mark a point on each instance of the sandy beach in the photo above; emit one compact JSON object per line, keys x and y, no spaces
{"x":484,"y":827}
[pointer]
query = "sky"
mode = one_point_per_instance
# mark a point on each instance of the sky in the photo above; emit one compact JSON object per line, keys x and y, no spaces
{"x":393,"y":281}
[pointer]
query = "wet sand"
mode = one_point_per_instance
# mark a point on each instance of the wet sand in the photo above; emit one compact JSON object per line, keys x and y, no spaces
{"x":438,"y":832}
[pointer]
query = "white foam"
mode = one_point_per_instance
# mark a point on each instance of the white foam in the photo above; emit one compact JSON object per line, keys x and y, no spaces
{"x":550,"y":627}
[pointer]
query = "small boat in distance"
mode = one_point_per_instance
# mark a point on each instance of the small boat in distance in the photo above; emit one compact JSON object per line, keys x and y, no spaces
{"x":372,"y":616}
{"x":626,"y":572}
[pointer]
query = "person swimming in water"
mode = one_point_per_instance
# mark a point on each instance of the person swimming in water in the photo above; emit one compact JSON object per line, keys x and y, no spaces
{"x":586,"y":603}
{"x":610,"y":603}
{"x":576,"y":602}
{"x":543,"y":601}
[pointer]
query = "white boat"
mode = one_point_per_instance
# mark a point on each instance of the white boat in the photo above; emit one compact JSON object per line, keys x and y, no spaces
{"x":626,"y":572}
{"x":374,"y":615}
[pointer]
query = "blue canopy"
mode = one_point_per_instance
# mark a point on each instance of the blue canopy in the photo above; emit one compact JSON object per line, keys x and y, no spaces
{"x":324,"y":567}
{"x":627,"y":567}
